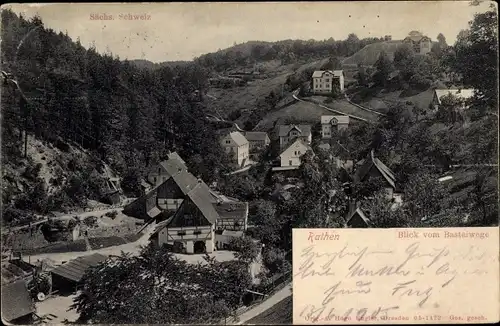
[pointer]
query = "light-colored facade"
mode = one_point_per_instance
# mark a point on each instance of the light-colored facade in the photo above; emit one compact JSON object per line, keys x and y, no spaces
{"x":330,"y":123}
{"x":289,"y":133}
{"x":291,"y":156}
{"x":421,"y":44}
{"x":237,"y":146}
{"x":323,"y":81}
{"x":460,"y":94}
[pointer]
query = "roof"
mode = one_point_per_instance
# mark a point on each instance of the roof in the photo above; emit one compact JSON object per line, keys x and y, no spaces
{"x":305,"y":130}
{"x":459,"y":93}
{"x":185,"y":180}
{"x":176,"y":156}
{"x":238,"y":138}
{"x":416,"y":36}
{"x":232,"y":209}
{"x":202,"y":198}
{"x":16,"y":301}
{"x":380,"y":166}
{"x":308,"y":148}
{"x":173,"y":166}
{"x":284,"y":168}
{"x":361,"y":214}
{"x":319,"y":73}
{"x":76,"y":268}
{"x":341,"y":119}
{"x":256,"y":135}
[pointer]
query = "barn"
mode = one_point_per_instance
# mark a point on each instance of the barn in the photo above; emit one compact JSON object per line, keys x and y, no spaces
{"x":67,"y":278}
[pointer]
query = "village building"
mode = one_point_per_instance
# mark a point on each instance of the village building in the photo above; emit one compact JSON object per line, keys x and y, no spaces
{"x":162,"y":171}
{"x":420,"y":44}
{"x":258,"y":141}
{"x":288,"y":133}
{"x":358,"y":219}
{"x":290,"y":157}
{"x":237,"y":146}
{"x":324,"y":81}
{"x":329,"y":123}
{"x":191,"y":229}
{"x":462,"y":95}
{"x":18,"y":307}
{"x":67,"y":278}
{"x":373,"y":167}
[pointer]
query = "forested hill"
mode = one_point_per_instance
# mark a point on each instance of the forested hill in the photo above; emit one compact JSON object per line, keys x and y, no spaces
{"x":126,"y":116}
{"x":288,"y":51}
{"x":141,"y":63}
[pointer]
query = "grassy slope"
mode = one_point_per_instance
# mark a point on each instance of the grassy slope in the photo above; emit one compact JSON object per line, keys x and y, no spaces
{"x":370,"y":53}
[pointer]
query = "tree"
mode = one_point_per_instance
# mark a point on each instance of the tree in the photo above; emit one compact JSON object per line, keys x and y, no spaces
{"x":423,"y":196}
{"x":442,"y":41}
{"x":156,"y":287}
{"x":402,"y":54}
{"x":384,"y":68}
{"x":246,"y":249}
{"x":476,"y":50}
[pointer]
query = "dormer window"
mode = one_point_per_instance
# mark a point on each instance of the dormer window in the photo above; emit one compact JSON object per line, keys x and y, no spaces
{"x":334,"y":122}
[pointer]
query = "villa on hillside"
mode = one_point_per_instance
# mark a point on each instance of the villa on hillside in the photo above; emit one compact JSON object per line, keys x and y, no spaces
{"x":237,"y":146}
{"x":460,"y":94}
{"x":288,"y":133}
{"x":421,"y":44}
{"x":333,"y":122}
{"x":324,"y":81}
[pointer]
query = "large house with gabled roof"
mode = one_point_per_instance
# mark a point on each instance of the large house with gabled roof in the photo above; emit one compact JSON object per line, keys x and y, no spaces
{"x":237,"y":146}
{"x":329,"y":123}
{"x":324,"y":81}
{"x":190,"y":215}
{"x":373,"y":167}
{"x":288,"y":133}
{"x":420,"y":44}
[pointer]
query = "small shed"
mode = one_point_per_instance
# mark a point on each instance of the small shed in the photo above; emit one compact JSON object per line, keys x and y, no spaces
{"x":18,"y":307}
{"x":68,"y":277}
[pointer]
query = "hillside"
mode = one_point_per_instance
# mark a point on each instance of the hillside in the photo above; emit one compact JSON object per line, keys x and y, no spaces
{"x":368,"y":55}
{"x":146,"y":64}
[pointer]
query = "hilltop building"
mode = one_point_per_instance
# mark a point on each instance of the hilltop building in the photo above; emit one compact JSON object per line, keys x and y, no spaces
{"x":421,"y":44}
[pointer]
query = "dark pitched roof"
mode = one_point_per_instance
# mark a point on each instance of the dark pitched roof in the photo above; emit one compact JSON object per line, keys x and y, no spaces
{"x":74,"y":269}
{"x":173,"y":166}
{"x":176,"y":156}
{"x":361,"y":214}
{"x":363,"y":170}
{"x":185,"y":180}
{"x":203,"y":199}
{"x":256,"y":136}
{"x":16,"y":301}
{"x":232,"y":209}
{"x":305,"y":130}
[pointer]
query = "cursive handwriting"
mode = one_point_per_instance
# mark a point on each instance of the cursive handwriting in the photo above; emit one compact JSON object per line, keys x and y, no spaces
{"x":323,"y":313}
{"x":403,"y":289}
{"x":332,"y":292}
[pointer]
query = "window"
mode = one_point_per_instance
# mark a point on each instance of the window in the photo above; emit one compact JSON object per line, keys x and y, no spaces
{"x":290,"y":162}
{"x":154,"y":179}
{"x":327,"y":80}
{"x":196,"y":232}
{"x":181,"y":233}
{"x":159,"y":170}
{"x":295,"y":152}
{"x":228,"y":142}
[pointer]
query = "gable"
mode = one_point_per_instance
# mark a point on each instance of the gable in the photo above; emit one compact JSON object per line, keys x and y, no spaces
{"x":296,"y":146}
{"x":188,"y":209}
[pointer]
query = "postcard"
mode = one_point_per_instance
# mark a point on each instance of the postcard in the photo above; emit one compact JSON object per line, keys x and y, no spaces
{"x":395,"y":276}
{"x":249,"y":162}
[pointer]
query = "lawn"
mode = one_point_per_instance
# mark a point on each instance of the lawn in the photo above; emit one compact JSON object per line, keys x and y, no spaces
{"x":303,"y":111}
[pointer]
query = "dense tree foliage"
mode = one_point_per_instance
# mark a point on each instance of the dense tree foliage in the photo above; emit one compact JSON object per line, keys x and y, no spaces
{"x":156,"y":287}
{"x":288,"y":51}
{"x":126,"y":116}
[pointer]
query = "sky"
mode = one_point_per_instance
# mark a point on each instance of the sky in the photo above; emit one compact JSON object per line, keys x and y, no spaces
{"x":183,"y":31}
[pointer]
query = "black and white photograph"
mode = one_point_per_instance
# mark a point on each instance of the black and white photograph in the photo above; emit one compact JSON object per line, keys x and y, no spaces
{"x":156,"y":157}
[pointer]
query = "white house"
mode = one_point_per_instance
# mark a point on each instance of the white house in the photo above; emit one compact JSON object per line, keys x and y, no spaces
{"x":291,"y":156}
{"x":460,"y":94}
{"x":325,"y":80}
{"x":237,"y":146}
{"x":288,"y":133}
{"x":332,"y":122}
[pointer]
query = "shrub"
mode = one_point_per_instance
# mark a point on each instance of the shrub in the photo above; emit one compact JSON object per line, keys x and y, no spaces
{"x":328,"y":100}
{"x":90,"y":221}
{"x":111,"y":214}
